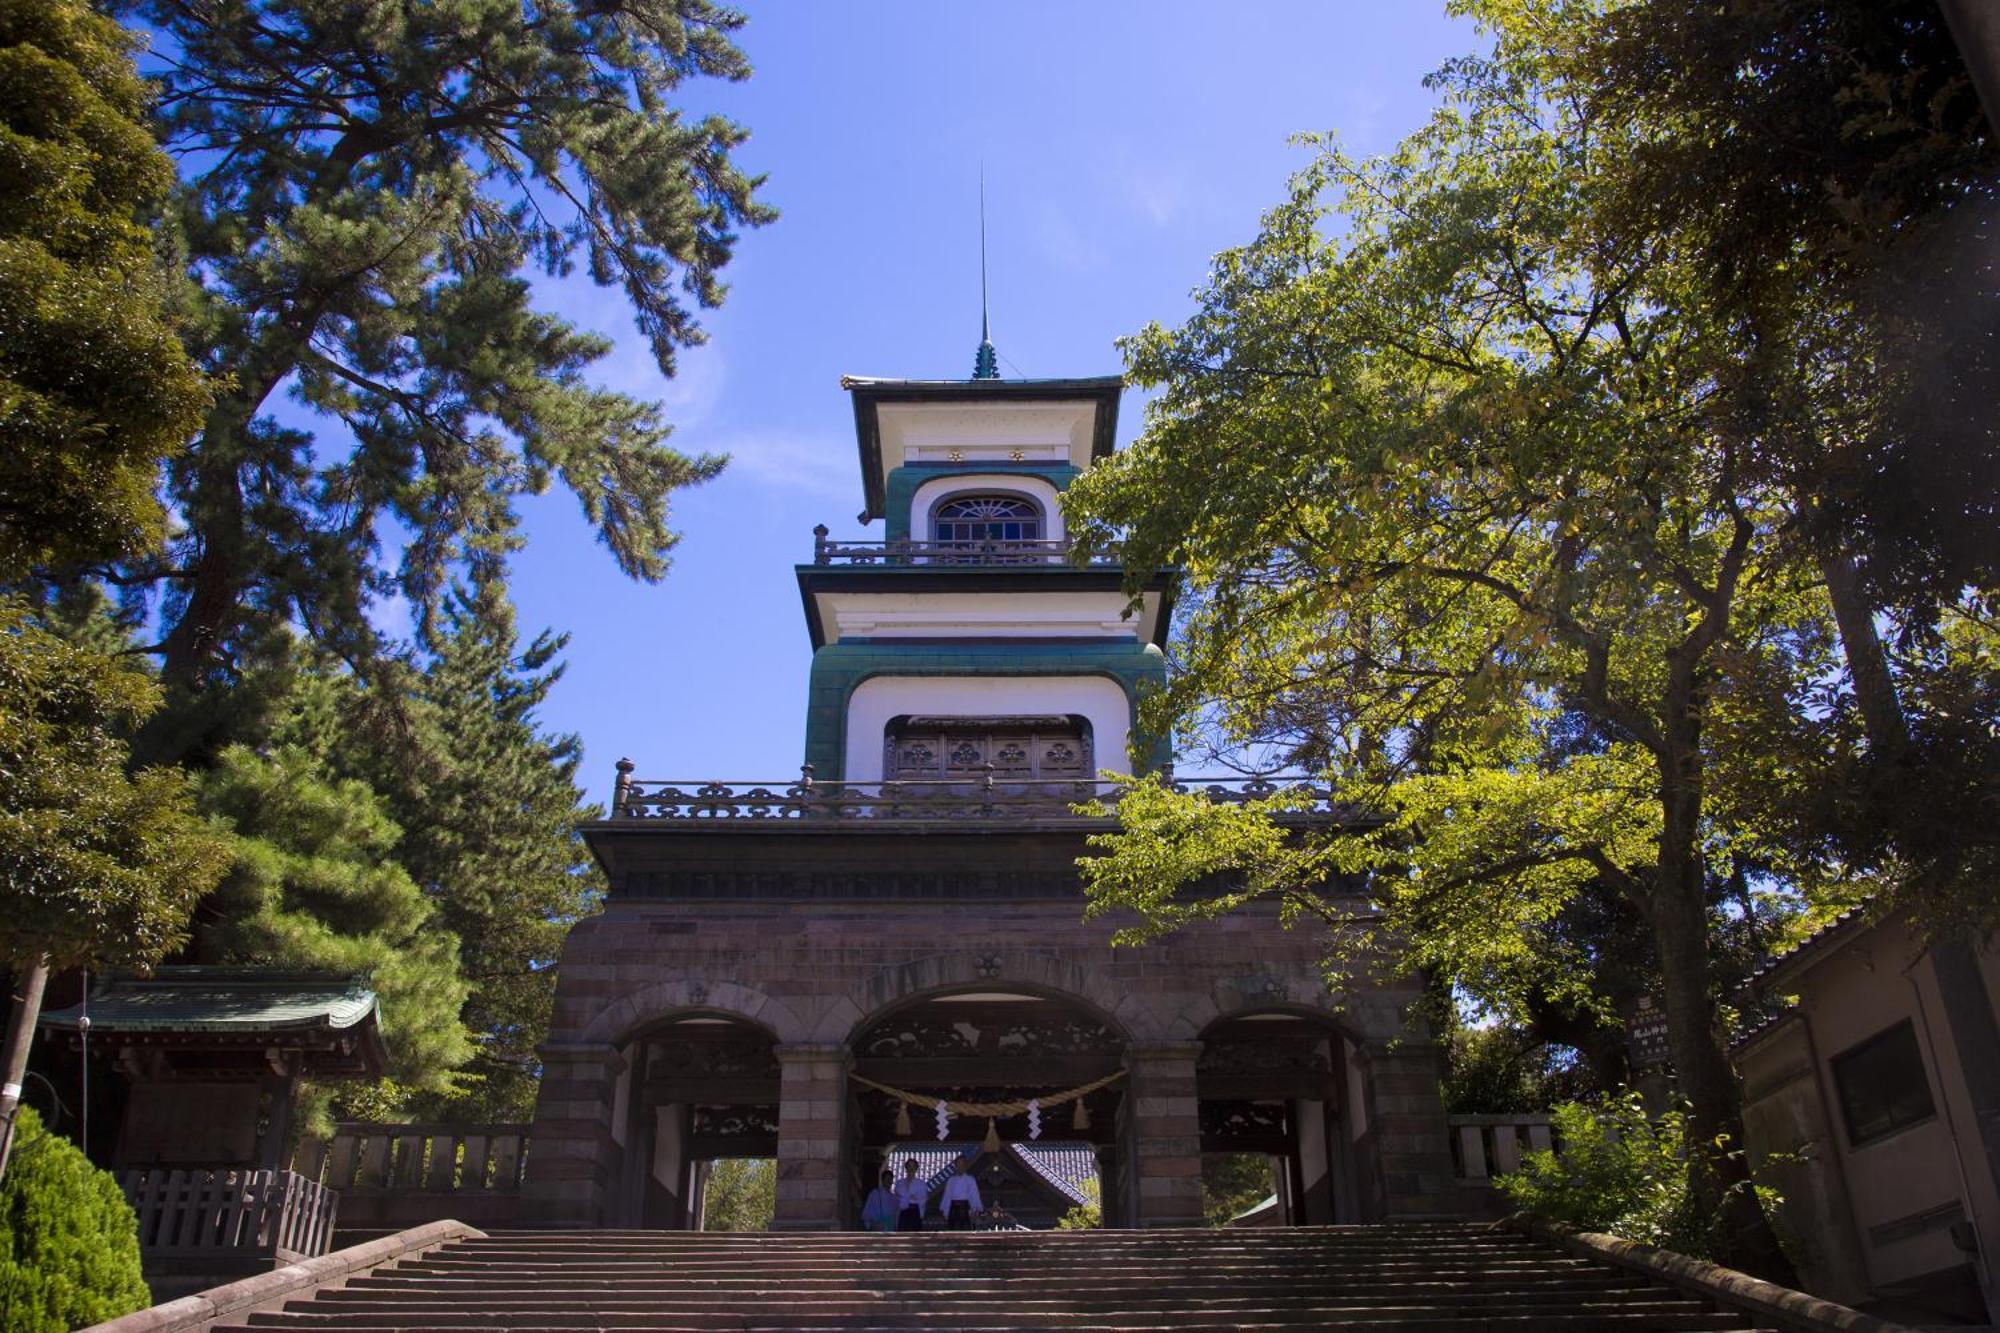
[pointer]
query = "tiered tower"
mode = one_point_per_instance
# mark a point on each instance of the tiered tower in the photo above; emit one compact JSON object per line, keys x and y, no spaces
{"x":788,"y":969}
{"x":965,"y":642}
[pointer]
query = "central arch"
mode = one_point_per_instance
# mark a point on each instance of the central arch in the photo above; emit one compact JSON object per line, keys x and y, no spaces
{"x":983,"y":1041}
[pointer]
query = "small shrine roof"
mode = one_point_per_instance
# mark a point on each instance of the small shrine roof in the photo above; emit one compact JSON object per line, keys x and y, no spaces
{"x":222,"y":1000}
{"x":1070,"y":1169}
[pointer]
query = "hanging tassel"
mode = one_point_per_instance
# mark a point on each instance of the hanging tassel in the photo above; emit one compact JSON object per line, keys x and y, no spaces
{"x":902,"y":1119}
{"x":1081,"y":1120}
{"x":992,"y":1143}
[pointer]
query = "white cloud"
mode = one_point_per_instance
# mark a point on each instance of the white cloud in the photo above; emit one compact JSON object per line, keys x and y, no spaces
{"x":1155,"y":193}
{"x":820,"y":465}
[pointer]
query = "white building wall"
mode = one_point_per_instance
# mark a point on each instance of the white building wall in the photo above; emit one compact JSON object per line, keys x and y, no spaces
{"x":879,"y":698}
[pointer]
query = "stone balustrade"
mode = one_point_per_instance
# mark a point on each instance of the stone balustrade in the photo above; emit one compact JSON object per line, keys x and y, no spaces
{"x":391,"y":1176}
{"x":1484,"y":1146}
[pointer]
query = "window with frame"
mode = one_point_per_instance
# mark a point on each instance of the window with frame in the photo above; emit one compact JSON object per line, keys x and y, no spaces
{"x":988,"y":518}
{"x":958,"y":749}
{"x":1882,"y":1085}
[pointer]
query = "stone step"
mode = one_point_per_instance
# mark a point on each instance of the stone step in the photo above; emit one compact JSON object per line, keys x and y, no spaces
{"x":1429,"y":1279}
{"x":369,"y":1287}
{"x":1241,"y":1317}
{"x":934,"y":1301}
{"x":1192,"y":1271}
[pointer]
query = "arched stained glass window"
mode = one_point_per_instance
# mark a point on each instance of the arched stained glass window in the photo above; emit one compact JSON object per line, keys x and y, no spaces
{"x":989,"y":518}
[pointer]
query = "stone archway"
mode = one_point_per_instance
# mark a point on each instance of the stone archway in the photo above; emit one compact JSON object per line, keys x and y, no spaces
{"x":990,"y":1042}
{"x":694,"y":1088}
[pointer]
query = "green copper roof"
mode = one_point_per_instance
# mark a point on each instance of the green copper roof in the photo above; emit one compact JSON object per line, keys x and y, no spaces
{"x":222,"y":999}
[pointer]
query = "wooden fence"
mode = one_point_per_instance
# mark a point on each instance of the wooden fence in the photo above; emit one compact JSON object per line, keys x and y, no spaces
{"x":219,"y":1212}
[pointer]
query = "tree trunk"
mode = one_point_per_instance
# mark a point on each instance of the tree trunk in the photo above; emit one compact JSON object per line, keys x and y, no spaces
{"x":1719,"y":1172}
{"x":14,"y":1057}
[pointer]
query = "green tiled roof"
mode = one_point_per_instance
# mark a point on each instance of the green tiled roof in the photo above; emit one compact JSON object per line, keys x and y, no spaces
{"x":222,"y":999}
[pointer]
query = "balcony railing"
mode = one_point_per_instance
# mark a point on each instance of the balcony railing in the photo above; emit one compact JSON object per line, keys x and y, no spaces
{"x":991,"y":794}
{"x":1057,"y":553}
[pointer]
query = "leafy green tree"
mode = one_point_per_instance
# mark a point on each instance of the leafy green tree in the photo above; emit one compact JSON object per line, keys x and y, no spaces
{"x":489,"y":807}
{"x":1232,"y":1182}
{"x":69,"y":1244}
{"x":365,"y":188}
{"x":101,"y":865}
{"x":1825,"y":172}
{"x":1440,"y":485}
{"x":95,"y":387}
{"x":742,"y":1194}
{"x":314,"y":885}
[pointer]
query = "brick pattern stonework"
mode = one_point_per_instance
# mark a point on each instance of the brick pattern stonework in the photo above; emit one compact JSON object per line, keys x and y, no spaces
{"x":812,"y":974}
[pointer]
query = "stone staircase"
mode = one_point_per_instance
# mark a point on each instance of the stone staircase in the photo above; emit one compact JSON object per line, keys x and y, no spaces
{"x":1414,"y":1278}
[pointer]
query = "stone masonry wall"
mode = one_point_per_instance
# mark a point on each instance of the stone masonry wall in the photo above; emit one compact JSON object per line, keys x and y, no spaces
{"x":812,"y":974}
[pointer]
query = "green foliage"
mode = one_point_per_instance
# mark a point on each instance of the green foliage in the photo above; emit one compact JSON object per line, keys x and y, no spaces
{"x":1086,"y":1216}
{"x":95,"y":386}
{"x":314,"y":885}
{"x":367,"y":190}
{"x":1465,"y":531}
{"x":489,"y":807}
{"x":1232,"y":1182}
{"x":102,"y":866}
{"x":1498,"y":1070}
{"x":1618,"y":1170}
{"x":742,"y":1194}
{"x":69,"y":1244}
{"x":1823,"y":173}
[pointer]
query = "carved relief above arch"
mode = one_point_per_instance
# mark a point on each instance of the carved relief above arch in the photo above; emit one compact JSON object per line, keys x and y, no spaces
{"x":1031,"y":973}
{"x":689,"y":997}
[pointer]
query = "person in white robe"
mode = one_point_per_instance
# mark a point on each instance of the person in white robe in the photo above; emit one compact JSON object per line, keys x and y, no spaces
{"x":912,"y":1193}
{"x":960,"y":1199}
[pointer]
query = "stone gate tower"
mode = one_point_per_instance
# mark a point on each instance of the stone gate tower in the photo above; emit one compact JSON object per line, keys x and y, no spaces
{"x":907,"y":914}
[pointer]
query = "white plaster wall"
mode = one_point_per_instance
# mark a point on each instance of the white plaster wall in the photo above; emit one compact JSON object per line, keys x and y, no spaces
{"x":1041,"y":492}
{"x":1043,"y":431}
{"x":879,"y":698}
{"x":1006,"y":615}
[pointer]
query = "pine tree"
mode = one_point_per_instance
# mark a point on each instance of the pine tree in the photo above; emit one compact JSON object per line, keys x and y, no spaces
{"x":314,"y":885}
{"x":365,"y":185}
{"x":490,"y":808}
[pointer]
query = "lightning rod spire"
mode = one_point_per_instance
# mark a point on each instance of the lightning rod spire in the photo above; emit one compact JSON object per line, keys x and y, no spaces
{"x":986,"y":362}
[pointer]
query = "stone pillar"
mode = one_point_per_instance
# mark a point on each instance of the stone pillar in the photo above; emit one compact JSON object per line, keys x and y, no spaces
{"x":1166,"y":1133}
{"x":572,"y":1157}
{"x":812,"y":1092}
{"x":1411,"y":1140}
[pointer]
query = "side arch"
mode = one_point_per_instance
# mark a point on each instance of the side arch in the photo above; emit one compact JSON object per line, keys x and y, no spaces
{"x":690,"y":997}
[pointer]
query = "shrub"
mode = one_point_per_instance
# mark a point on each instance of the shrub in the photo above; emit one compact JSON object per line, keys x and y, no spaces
{"x":1618,"y":1170}
{"x":69,"y":1244}
{"x":1086,"y":1216}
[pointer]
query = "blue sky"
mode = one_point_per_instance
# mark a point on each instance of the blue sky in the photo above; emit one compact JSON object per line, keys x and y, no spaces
{"x":1123,"y":145}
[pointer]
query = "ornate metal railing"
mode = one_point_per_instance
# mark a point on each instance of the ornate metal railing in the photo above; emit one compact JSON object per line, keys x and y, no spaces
{"x":991,"y":794}
{"x":211,"y":1212}
{"x":1053,"y":553}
